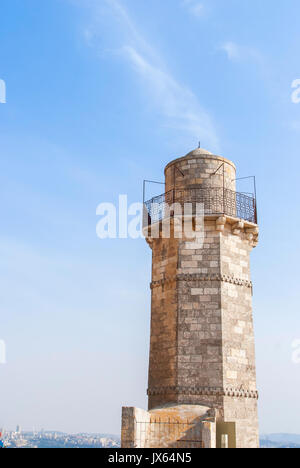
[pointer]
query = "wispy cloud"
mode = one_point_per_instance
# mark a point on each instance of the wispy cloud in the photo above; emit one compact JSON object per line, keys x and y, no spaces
{"x":178,"y":106}
{"x":195,"y":7}
{"x":236,"y":52}
{"x":295,"y":125}
{"x":176,"y":103}
{"x":231,"y":49}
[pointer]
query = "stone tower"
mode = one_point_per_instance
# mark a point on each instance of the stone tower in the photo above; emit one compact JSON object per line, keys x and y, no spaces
{"x":202,"y":356}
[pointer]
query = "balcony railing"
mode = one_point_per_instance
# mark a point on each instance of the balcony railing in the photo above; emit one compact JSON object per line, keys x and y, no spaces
{"x":215,"y":201}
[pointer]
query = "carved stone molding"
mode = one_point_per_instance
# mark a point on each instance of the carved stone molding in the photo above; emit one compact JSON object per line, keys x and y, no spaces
{"x":201,"y":277}
{"x":203,"y":391}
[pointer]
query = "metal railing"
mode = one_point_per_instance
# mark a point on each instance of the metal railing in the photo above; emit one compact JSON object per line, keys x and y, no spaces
{"x":215,"y":201}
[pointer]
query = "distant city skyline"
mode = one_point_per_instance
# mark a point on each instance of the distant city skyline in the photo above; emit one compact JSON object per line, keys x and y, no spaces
{"x":51,"y":439}
{"x":59,"y":440}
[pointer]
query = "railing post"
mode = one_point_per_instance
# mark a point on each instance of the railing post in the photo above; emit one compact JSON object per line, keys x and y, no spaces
{"x":255,"y":211}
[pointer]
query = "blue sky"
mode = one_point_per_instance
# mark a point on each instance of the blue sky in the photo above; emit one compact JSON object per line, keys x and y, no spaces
{"x":100,"y":95}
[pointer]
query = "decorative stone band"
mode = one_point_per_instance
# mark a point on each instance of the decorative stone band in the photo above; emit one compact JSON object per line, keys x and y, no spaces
{"x":202,"y":277}
{"x":204,"y":391}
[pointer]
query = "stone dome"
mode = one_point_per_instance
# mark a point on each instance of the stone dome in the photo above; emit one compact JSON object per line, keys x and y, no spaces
{"x":198,"y":152}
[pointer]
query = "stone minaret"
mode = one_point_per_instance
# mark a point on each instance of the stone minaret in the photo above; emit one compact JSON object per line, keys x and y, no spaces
{"x":202,"y":340}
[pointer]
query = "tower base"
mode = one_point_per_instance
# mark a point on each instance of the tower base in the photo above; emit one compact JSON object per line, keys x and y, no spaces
{"x":182,"y":426}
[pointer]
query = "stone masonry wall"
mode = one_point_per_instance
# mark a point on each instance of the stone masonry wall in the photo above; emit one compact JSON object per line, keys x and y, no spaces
{"x":199,"y":313}
{"x":238,"y":339}
{"x":199,"y":170}
{"x":163,"y":341}
{"x":202,"y":337}
{"x":243,"y":411}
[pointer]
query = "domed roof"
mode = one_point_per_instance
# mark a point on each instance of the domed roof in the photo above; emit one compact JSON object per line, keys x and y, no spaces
{"x":198,"y":152}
